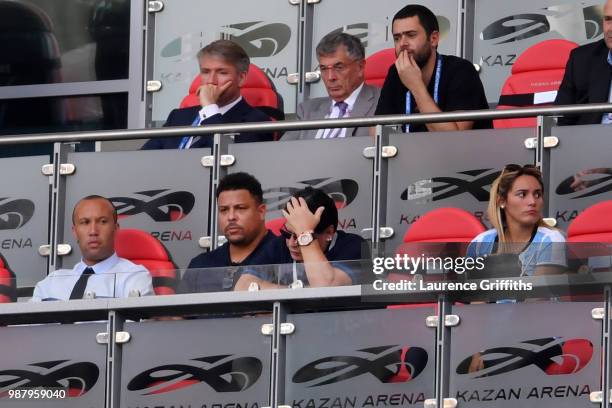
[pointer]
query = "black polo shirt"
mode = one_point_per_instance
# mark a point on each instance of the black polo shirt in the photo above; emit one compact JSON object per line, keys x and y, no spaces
{"x":460,"y":88}
{"x":225,"y":275}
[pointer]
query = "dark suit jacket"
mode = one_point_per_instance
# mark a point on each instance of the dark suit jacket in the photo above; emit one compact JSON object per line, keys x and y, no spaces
{"x":586,"y":80}
{"x":241,"y":112}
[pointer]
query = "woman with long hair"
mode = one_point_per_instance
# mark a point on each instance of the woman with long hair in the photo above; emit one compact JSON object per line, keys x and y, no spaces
{"x":515,"y":211}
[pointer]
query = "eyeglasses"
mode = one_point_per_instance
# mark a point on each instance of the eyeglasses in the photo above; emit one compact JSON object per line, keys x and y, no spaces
{"x":338,"y":67}
{"x":285,"y":233}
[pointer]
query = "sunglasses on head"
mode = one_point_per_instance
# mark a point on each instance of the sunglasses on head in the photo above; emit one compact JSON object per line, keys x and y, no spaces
{"x":517,"y":167}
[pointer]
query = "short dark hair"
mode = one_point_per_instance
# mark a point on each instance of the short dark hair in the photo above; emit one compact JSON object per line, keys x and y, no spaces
{"x":228,"y":51}
{"x":94,"y":197}
{"x":316,"y":198}
{"x":427,"y":19}
{"x":241,"y":181}
{"x":330,"y":43}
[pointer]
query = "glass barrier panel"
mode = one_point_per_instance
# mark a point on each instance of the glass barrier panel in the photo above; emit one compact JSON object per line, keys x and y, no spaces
{"x":52,"y":366}
{"x":280,"y":276}
{"x":545,"y":354}
{"x":488,"y":272}
{"x":361,"y":358}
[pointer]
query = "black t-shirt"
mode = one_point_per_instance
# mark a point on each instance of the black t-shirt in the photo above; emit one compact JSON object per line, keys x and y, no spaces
{"x":345,"y":247}
{"x":198,"y":280}
{"x":460,"y":88}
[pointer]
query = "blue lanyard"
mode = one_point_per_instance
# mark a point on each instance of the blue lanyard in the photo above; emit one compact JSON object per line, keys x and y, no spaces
{"x":435,"y":95}
{"x":185,"y":139}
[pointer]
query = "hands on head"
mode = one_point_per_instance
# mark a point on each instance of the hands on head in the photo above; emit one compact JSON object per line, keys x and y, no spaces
{"x":299,"y":217}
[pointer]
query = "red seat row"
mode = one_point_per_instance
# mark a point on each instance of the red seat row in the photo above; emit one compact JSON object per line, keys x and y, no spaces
{"x":593,"y":225}
{"x":448,"y":225}
{"x":536,"y":76}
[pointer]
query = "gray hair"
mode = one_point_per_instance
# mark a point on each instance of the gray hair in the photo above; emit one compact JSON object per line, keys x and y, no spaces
{"x":330,"y":43}
{"x":228,"y":51}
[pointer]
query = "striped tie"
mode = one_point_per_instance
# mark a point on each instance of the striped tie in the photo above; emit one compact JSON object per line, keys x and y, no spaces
{"x":342,"y":106}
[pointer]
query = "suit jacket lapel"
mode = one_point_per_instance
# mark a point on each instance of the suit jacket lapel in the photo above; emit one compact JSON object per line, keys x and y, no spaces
{"x":237,"y":113}
{"x":321,"y":108}
{"x":362,"y":104}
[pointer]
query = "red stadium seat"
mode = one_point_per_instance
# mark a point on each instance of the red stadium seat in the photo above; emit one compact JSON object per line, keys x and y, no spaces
{"x":441,"y":225}
{"x":593,"y":227}
{"x":377,"y":66}
{"x":143,"y":249}
{"x":427,"y":235}
{"x":257,"y":90}
{"x":8,"y":292}
{"x":540,"y":68}
{"x":275,"y":225}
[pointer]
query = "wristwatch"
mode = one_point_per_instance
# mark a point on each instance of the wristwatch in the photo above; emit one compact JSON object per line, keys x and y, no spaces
{"x":305,"y":238}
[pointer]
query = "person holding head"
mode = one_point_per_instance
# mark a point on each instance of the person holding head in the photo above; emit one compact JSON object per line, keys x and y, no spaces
{"x":515,"y":210}
{"x":423,"y":81}
{"x":309,"y":242}
{"x":223,"y":68}
{"x":101,"y":271}
{"x":342,"y":63}
{"x":242,"y":215}
{"x":588,"y":76}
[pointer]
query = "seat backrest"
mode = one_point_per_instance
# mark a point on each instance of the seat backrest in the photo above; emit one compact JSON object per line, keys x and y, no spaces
{"x":257,"y":90}
{"x":275,"y":225}
{"x":377,"y":66}
{"x":8,"y":292}
{"x":143,"y":249}
{"x":450,"y":225}
{"x":535,"y":79}
{"x":592,"y":225}
{"x":593,"y":228}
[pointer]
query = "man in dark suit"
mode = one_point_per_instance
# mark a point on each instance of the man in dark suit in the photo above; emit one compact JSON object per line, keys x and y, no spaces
{"x":342,"y":63}
{"x":588,"y":76}
{"x":223,"y":66}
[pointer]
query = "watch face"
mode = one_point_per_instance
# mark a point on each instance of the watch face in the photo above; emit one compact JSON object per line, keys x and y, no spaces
{"x":305,"y":239}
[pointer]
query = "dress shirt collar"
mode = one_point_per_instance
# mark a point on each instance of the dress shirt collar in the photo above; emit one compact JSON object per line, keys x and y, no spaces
{"x":226,"y":108}
{"x":101,"y":267}
{"x":610,"y":57}
{"x":214,"y":109}
{"x":350,"y":101}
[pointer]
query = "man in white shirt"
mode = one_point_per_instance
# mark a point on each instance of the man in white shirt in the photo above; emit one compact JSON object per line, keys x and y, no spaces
{"x":342,"y":63}
{"x":101,"y":272}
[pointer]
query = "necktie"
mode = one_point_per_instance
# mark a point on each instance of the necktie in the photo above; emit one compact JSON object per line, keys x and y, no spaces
{"x":195,"y":139}
{"x":79,"y":287}
{"x":342,"y":106}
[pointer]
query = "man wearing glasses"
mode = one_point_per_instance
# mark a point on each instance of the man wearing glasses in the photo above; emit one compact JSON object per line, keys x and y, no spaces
{"x":341,"y":62}
{"x":310,"y":251}
{"x":242,"y":215}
